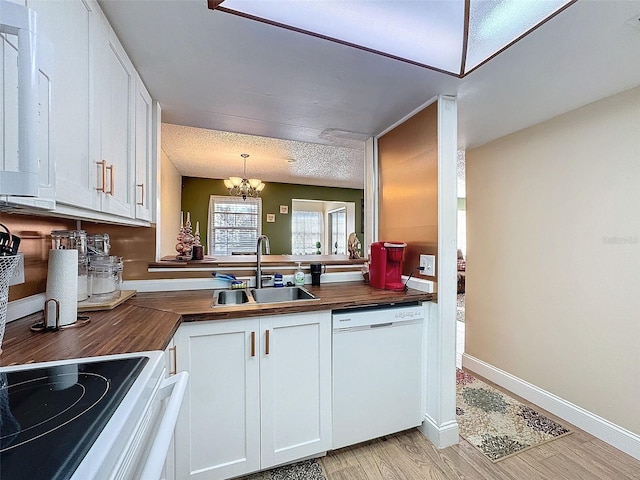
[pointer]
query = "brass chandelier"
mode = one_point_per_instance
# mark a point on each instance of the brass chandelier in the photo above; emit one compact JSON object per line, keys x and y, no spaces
{"x":243,"y":187}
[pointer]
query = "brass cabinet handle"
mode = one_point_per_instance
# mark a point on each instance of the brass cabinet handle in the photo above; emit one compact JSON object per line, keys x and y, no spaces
{"x":253,"y":344}
{"x":111,"y":169}
{"x":174,"y":363}
{"x":266,"y":347}
{"x":141,"y":202}
{"x":103,"y":164}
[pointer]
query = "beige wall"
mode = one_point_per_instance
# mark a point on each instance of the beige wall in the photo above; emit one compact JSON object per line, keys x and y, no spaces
{"x":171,"y":188}
{"x":553,"y":232}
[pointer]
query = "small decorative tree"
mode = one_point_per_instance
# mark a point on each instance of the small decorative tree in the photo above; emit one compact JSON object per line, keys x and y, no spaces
{"x":318,"y":245}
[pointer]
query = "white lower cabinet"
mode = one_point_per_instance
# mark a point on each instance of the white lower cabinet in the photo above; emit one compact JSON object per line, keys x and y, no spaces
{"x":259,"y":393}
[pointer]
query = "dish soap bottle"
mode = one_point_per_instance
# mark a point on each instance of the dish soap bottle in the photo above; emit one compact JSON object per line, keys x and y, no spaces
{"x":299,"y":276}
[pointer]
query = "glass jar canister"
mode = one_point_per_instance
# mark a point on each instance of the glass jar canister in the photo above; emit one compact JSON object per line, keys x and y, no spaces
{"x":69,"y":239}
{"x":98,"y":244}
{"x":83,"y":277}
{"x":105,"y":273}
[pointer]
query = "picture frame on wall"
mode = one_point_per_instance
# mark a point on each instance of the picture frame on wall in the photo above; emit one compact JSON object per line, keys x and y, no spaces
{"x":271,"y":217}
{"x":284,"y":209}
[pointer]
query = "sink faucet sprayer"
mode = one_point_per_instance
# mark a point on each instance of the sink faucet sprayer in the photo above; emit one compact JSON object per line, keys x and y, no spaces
{"x":267,"y":251}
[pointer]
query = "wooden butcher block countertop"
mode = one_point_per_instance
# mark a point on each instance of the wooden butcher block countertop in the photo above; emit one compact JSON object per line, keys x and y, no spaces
{"x":148,"y":321}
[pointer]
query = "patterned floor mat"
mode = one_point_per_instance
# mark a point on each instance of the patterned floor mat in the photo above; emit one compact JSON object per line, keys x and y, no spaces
{"x":498,"y":425}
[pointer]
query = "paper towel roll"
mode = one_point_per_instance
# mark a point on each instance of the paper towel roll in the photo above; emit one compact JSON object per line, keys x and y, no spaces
{"x":62,"y":284}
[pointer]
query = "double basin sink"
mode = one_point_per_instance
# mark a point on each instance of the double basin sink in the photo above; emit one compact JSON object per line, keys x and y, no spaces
{"x":261,"y":295}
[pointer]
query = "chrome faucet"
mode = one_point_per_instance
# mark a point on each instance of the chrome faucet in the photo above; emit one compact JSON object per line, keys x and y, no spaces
{"x":267,"y":251}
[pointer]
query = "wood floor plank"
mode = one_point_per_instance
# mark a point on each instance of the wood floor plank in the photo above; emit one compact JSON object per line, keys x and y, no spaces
{"x":619,"y":461}
{"x":471,"y":464}
{"x":354,"y":472}
{"x":393,"y":453}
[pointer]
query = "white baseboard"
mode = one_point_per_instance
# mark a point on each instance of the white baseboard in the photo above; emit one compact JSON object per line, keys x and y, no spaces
{"x":442,"y":436}
{"x":599,"y":427}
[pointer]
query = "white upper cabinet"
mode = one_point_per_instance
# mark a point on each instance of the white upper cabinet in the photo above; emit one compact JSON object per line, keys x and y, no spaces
{"x":75,"y":179}
{"x":144,"y":187}
{"x":99,"y":129}
{"x":113,"y":93}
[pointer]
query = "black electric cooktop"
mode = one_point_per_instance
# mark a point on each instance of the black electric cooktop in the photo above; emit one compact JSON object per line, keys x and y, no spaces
{"x":50,"y":417}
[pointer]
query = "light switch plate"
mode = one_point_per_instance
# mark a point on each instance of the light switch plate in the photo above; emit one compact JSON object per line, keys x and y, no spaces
{"x":428,"y":264}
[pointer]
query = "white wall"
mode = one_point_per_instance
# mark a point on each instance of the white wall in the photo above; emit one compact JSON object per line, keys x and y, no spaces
{"x":553,"y":263}
{"x":171,"y":188}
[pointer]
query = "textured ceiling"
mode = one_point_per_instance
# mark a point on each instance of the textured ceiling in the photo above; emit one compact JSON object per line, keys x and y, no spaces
{"x":198,"y":152}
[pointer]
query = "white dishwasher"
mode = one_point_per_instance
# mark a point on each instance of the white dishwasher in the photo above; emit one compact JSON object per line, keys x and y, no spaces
{"x":377,"y":372}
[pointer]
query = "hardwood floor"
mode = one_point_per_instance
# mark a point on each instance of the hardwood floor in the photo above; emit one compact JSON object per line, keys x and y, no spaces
{"x":410,"y":456}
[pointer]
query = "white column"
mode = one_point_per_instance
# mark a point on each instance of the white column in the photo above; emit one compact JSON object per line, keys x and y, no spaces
{"x":440,"y":424}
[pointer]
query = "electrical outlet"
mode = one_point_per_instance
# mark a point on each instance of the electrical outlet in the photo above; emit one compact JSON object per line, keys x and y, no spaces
{"x":18,"y":274}
{"x":428,"y":264}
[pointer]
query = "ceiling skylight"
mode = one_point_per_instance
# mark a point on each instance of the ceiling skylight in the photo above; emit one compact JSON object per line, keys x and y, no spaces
{"x":429,"y":33}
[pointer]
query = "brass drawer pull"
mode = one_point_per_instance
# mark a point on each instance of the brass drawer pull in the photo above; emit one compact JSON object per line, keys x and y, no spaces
{"x":253,"y":344}
{"x":111,"y":169}
{"x":141,"y":202}
{"x":103,"y":164}
{"x":266,"y":347}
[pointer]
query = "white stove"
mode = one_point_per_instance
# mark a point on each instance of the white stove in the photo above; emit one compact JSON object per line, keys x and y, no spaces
{"x":92,"y":418}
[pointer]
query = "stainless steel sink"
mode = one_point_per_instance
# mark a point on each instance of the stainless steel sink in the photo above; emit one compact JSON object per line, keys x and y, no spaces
{"x":222,"y":298}
{"x":280,"y":294}
{"x":231,"y":297}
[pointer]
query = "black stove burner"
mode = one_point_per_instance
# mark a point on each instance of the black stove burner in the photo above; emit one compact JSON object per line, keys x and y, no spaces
{"x":50,"y":417}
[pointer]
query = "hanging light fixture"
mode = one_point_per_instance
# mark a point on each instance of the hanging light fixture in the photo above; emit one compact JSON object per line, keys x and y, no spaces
{"x":241,"y":187}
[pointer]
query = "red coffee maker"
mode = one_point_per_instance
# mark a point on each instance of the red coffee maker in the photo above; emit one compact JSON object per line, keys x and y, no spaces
{"x":385,"y":266}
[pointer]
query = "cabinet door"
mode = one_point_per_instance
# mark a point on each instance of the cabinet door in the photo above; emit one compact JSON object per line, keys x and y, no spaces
{"x":114,"y":84}
{"x":67,"y":26}
{"x":144,"y":187}
{"x":218,"y":430}
{"x":295,"y":385}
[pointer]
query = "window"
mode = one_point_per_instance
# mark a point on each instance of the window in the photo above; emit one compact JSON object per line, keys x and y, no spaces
{"x":234,"y":225}
{"x":338,"y":231}
{"x":306,"y":230}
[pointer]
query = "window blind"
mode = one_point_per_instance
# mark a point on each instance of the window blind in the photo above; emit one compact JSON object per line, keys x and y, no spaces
{"x":338,"y":219}
{"x":306,"y":230}
{"x":234,"y":225}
